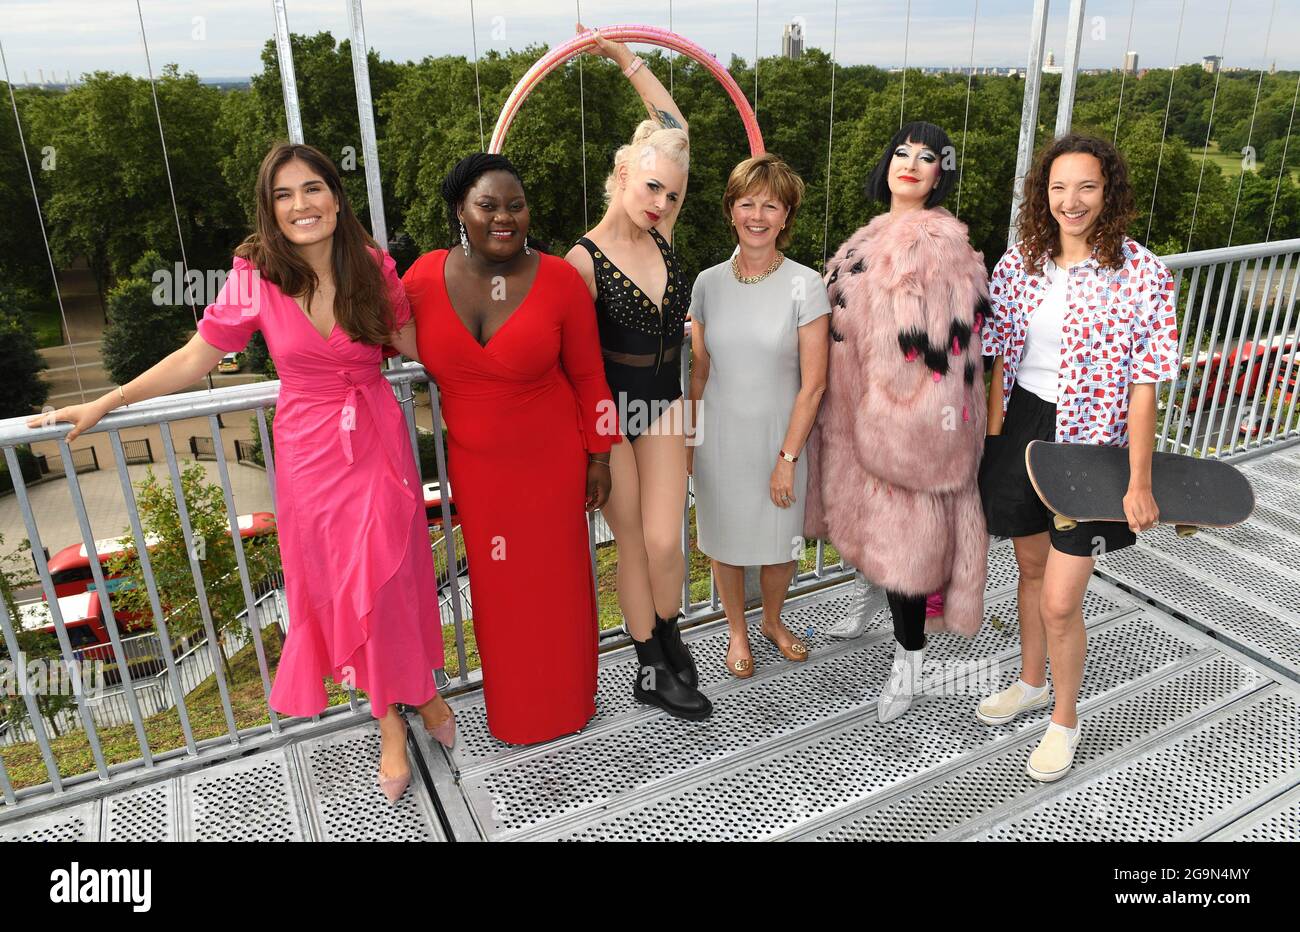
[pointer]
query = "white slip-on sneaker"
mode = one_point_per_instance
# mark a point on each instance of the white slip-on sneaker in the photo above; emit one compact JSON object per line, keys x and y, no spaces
{"x":1054,"y":755}
{"x":1006,"y":705}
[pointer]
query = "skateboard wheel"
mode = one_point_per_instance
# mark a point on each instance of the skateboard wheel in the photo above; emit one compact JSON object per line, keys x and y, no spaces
{"x":1063,"y":523}
{"x":1185,"y":530}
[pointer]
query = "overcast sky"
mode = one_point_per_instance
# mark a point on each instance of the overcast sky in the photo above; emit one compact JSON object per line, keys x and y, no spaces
{"x":223,"y":38}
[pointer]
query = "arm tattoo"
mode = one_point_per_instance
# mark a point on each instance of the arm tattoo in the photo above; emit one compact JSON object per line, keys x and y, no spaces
{"x":663,"y":118}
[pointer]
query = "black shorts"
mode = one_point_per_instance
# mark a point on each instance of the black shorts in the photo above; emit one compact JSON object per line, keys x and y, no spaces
{"x":1011,"y":506}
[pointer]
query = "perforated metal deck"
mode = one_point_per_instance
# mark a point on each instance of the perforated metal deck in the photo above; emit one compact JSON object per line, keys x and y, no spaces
{"x":1190,"y":707}
{"x":314,"y":789}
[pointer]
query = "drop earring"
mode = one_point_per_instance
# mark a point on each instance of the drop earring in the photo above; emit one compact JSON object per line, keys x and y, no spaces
{"x":464,"y":240}
{"x":527,"y":251}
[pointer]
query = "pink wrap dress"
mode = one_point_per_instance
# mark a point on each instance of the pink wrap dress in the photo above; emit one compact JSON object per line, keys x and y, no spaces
{"x":358,"y":568}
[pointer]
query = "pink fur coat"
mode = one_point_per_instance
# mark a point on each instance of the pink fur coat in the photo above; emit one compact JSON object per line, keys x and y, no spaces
{"x":894,"y":454}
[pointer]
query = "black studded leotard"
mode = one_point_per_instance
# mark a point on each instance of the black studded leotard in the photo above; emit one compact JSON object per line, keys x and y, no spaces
{"x":641,"y":343}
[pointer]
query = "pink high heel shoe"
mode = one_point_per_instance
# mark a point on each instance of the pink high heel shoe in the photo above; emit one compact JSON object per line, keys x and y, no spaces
{"x":393,"y":787}
{"x":445,"y":732}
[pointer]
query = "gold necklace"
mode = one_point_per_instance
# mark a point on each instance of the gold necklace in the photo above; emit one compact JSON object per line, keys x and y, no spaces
{"x":754,"y":279}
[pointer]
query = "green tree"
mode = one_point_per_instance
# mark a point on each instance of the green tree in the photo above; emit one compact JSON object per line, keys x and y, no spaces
{"x":107,"y":194}
{"x":145,"y":323}
{"x":21,"y":387}
{"x":170,"y":561}
{"x":22,"y":252}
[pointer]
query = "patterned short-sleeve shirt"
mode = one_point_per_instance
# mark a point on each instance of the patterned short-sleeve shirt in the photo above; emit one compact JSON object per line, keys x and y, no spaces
{"x":1120,"y":327}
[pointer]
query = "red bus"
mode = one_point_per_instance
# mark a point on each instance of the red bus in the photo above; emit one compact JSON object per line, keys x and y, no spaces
{"x":83,"y":616}
{"x":70,"y":567}
{"x":433,"y":504}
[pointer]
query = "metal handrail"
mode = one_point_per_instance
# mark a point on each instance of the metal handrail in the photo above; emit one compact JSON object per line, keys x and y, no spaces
{"x":1271,"y":316}
{"x":1203,"y":257}
{"x":1238,"y":350}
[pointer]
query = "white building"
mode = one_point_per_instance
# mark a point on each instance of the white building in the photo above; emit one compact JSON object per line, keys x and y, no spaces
{"x":792,"y":41}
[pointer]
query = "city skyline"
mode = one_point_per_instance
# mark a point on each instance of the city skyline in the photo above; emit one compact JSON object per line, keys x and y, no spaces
{"x":222,"y":41}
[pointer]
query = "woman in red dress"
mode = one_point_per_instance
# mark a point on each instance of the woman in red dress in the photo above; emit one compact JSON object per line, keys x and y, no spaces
{"x":509,"y":335}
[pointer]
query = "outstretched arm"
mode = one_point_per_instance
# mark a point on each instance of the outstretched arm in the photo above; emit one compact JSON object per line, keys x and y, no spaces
{"x":178,"y":370}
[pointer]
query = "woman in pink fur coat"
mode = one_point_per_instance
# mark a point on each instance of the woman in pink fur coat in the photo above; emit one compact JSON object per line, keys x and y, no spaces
{"x":894,"y":455}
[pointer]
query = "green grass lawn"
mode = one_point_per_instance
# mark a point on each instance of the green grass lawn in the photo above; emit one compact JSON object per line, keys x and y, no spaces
{"x":1231,"y":162}
{"x":46,"y":325}
{"x":163,"y":731}
{"x":1228,"y":161}
{"x":698,"y":568}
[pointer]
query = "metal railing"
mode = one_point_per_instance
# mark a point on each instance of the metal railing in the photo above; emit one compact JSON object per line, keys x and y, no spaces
{"x":1238,"y":336}
{"x":161,"y":412}
{"x":1235,"y":392}
{"x":136,"y":700}
{"x":144,"y":655}
{"x":1239,"y":350}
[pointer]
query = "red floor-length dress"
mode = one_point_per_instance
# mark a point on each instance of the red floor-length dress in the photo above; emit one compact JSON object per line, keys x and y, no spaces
{"x":522,"y":414}
{"x":358,"y":568}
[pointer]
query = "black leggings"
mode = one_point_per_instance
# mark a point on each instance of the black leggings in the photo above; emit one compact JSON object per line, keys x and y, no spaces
{"x":909,"y":619}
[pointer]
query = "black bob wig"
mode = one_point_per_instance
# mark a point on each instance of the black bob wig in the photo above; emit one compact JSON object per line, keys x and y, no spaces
{"x":928,"y":135}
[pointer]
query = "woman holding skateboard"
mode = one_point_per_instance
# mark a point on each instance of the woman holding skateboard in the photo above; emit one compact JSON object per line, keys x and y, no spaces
{"x":1083,"y":330}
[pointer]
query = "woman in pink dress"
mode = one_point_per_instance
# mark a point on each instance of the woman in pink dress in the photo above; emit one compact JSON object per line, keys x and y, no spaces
{"x":359,"y":577}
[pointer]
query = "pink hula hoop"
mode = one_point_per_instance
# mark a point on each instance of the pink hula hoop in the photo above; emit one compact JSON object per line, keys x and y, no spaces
{"x":648,"y":35}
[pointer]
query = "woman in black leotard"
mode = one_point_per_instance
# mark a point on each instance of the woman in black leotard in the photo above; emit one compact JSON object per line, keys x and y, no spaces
{"x":641,"y":342}
{"x":641,"y":301}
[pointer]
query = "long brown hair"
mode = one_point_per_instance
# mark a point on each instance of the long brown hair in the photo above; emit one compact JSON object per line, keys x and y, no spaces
{"x":361,"y":304}
{"x":1040,"y":234}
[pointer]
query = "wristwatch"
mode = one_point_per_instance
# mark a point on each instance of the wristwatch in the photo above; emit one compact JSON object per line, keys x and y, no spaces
{"x":788,"y":458}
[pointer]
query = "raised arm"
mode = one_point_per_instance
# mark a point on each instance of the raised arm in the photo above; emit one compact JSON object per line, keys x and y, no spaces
{"x":658,"y":102}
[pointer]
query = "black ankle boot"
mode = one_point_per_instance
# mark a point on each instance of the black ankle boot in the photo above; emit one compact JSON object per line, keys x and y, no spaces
{"x":657,"y":684}
{"x":677,"y":653}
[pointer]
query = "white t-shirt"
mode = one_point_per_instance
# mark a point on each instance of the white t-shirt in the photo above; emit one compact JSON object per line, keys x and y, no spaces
{"x":1041,"y":363}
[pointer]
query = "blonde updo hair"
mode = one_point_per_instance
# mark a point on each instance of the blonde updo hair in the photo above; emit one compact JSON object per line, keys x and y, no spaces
{"x":672,"y":144}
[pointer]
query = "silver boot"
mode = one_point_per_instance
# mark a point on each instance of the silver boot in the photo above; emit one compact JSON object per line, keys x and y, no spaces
{"x":904,"y":682}
{"x":864,"y":602}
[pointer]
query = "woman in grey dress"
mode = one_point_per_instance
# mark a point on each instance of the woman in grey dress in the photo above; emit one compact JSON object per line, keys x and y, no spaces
{"x":759,"y":330}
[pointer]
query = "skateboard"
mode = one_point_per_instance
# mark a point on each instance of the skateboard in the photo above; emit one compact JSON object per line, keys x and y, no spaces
{"x":1087,"y":482}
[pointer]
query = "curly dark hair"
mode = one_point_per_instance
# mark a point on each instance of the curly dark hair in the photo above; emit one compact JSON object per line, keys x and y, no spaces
{"x":1040,"y":235}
